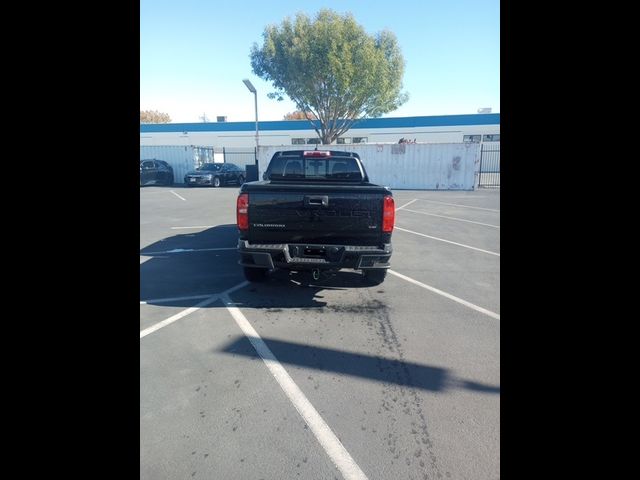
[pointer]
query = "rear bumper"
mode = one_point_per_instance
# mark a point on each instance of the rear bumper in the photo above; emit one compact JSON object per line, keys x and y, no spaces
{"x":305,"y":256}
{"x":198,"y":180}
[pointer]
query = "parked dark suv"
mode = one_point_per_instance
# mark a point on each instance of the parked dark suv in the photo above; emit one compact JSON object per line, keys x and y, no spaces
{"x":155,"y":172}
{"x":215,"y":174}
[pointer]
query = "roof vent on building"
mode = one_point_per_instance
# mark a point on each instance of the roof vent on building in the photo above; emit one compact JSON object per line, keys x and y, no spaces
{"x":484,"y":110}
{"x":221,"y":119}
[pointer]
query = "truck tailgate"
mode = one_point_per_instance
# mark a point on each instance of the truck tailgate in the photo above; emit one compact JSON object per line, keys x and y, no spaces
{"x":325,"y":215}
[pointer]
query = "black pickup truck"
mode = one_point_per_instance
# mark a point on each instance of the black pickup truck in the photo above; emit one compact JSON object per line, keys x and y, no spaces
{"x":315,"y":210}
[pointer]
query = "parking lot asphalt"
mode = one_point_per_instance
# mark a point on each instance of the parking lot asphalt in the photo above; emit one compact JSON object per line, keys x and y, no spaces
{"x":330,"y":379}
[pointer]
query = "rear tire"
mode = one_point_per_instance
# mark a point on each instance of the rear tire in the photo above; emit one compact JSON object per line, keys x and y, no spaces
{"x":255,"y":274}
{"x":374,"y":276}
{"x":216,"y":182}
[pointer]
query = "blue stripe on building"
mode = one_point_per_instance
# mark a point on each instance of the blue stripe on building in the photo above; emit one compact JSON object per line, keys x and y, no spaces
{"x":397,"y":122}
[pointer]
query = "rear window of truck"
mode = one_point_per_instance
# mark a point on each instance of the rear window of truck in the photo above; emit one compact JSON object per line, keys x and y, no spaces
{"x":311,"y":168}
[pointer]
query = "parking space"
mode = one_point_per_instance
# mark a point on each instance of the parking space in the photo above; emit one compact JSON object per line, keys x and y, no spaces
{"x":401,"y":380}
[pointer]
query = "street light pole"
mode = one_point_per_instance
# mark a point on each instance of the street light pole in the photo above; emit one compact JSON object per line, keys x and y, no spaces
{"x":253,"y":90}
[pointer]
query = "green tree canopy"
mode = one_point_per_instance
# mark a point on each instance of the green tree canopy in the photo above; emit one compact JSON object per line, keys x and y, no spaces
{"x":331,"y":69}
{"x":153,"y":116}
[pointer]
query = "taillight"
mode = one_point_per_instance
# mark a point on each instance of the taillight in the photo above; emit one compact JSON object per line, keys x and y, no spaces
{"x":388,"y":214}
{"x":242,"y":211}
{"x":316,"y":153}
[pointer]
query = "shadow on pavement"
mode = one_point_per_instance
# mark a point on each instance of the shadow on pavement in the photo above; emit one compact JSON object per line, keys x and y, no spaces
{"x":206,"y":262}
{"x":370,"y":367}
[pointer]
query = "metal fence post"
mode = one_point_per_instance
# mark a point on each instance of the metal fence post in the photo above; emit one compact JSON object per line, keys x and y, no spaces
{"x":480,"y":171}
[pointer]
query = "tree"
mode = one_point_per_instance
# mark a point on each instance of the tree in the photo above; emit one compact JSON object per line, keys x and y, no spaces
{"x":298,"y":115}
{"x":331,"y":69}
{"x":153,"y":116}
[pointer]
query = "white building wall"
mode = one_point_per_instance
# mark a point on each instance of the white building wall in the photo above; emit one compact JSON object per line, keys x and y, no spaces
{"x":452,"y":134}
{"x":436,"y":166}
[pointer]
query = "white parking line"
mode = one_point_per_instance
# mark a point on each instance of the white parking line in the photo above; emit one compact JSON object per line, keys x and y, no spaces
{"x":447,"y":295}
{"x":458,"y":205}
{"x":453,"y":218}
{"x":323,"y":433}
{"x":181,"y":198}
{"x":466,"y":197}
{"x":196,"y":226}
{"x":187,"y":250}
{"x":175,"y":299}
{"x":449,"y":241}
{"x":184,"y":313}
{"x":147,"y":191}
{"x":400,"y":208}
{"x":177,"y":316}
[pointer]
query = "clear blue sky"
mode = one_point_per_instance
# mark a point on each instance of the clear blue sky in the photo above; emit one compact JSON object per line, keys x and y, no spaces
{"x":195,"y":53}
